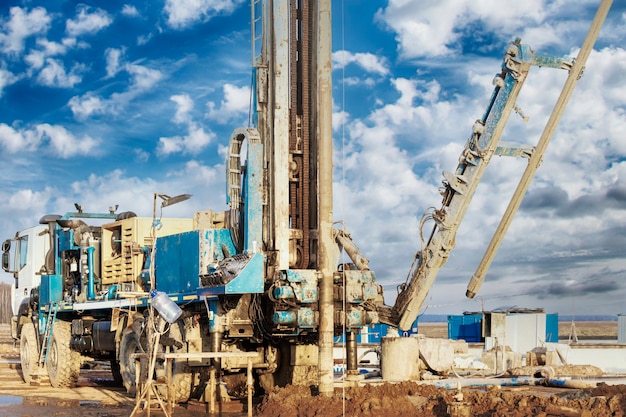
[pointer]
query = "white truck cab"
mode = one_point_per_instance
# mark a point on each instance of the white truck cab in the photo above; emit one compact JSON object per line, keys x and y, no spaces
{"x":24,"y":256}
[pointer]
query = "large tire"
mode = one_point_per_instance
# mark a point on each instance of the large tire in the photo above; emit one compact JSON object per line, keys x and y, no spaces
{"x":116,"y":373}
{"x":128,"y":345}
{"x":182,"y":377}
{"x":29,"y":352}
{"x":63,"y":364}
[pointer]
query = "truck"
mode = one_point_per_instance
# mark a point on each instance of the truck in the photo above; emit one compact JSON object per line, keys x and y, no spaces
{"x":264,"y":276}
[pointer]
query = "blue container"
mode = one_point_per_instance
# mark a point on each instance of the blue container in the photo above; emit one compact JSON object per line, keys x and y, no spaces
{"x":467,"y":327}
{"x":51,"y":289}
{"x":552,"y":327}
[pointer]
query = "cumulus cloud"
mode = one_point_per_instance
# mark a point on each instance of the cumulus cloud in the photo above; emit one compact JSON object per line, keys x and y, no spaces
{"x":64,"y":143}
{"x":21,"y":25}
{"x":142,"y":79}
{"x":6,"y":79}
{"x":51,"y":48}
{"x":181,"y":13}
{"x":53,"y":74}
{"x":192,"y":143}
{"x":195,"y":140}
{"x":88,"y":21}
{"x":86,"y":105}
{"x":22,"y":208}
{"x":235,"y":103}
{"x":14,"y":141}
{"x":184,"y":106}
{"x":130,"y":10}
{"x":113,"y":56}
{"x":60,"y":141}
{"x":424,"y":28}
{"x":367,"y":61}
{"x":436,"y":28}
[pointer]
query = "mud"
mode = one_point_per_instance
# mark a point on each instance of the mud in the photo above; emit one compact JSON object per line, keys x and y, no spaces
{"x":410,"y":399}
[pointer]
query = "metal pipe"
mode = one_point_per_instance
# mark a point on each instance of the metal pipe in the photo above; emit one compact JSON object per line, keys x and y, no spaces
{"x":280,"y":131}
{"x":325,"y":163}
{"x":91,"y":291}
{"x":344,"y":239}
{"x":537,"y":156}
{"x":455,"y":383}
{"x":351,"y":352}
{"x":215,"y":342}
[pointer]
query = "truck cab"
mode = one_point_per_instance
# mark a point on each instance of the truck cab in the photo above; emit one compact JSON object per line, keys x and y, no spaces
{"x":24,"y":256}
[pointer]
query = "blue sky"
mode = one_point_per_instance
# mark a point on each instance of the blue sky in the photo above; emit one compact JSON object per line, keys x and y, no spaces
{"x":105,"y":103}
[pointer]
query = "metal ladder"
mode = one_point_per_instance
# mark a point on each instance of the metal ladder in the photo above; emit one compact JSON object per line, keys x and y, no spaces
{"x":47,"y":339}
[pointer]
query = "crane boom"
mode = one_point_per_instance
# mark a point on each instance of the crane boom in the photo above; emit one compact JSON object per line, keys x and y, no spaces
{"x":535,"y":160}
{"x":460,"y":185}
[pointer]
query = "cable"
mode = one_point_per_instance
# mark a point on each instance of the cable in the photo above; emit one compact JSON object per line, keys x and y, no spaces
{"x":343,"y":183}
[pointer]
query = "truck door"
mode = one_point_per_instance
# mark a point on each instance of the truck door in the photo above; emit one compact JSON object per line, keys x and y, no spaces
{"x":23,"y":256}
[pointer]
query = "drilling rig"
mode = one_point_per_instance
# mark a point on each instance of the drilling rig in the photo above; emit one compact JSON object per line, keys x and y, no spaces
{"x":263,"y":276}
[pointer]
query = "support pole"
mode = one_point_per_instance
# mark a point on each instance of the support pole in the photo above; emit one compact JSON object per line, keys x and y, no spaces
{"x":537,"y":156}
{"x":351,"y":352}
{"x":324,"y":112}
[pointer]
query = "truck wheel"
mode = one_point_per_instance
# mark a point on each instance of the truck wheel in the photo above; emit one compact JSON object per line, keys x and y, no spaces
{"x":29,"y":353}
{"x":128,"y":345}
{"x":182,"y":377}
{"x":117,"y":374}
{"x":63,"y":363}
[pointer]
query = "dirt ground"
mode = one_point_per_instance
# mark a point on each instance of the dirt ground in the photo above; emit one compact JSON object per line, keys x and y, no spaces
{"x":96,"y":396}
{"x":411,"y":399}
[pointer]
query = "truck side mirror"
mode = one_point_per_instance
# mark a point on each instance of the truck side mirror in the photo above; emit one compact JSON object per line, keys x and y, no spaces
{"x":5,"y":261}
{"x":6,"y":256}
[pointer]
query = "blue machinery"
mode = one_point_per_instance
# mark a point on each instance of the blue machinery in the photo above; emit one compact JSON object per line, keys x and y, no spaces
{"x":264,"y":276}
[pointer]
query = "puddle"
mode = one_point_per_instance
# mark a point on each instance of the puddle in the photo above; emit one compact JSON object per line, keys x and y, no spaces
{"x":10,"y":400}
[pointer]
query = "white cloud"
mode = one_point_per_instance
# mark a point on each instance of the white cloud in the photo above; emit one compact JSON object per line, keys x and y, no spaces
{"x":141,"y":155}
{"x":142,"y":79}
{"x":367,"y":61}
{"x":433,"y":28}
{"x":6,"y":78}
{"x":84,"y":106}
{"x":192,"y":143}
{"x":185,"y":105}
{"x":425,"y":28}
{"x":235,"y":103}
{"x":144,"y":39}
{"x":183,"y":13}
{"x":87,"y":22}
{"x":21,"y":25}
{"x":340,"y":118}
{"x":22,"y":209}
{"x":14,"y":141}
{"x":53,"y":74}
{"x":113,"y":56}
{"x":130,"y":10}
{"x":195,"y":140}
{"x":51,"y":48}
{"x":35,"y":60}
{"x":62,"y":142}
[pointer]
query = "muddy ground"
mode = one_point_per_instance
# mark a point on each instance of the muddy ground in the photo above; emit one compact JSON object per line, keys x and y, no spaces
{"x":97,"y":396}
